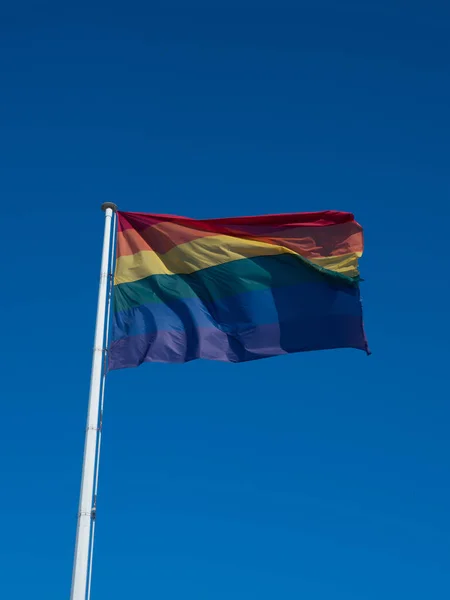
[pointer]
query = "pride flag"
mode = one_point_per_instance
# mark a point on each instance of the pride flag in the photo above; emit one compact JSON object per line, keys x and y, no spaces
{"x":235,"y":289}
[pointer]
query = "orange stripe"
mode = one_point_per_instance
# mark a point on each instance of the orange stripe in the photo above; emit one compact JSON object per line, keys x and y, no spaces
{"x":310,"y":242}
{"x":161,"y":238}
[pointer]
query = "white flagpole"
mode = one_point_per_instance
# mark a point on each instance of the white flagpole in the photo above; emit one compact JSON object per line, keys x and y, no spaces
{"x":86,"y":509}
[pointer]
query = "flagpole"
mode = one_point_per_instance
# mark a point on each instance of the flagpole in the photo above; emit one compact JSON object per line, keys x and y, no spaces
{"x":86,"y":512}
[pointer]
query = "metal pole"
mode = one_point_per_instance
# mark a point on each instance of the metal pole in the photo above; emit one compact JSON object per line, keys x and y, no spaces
{"x":102,"y":402}
{"x":85,"y":512}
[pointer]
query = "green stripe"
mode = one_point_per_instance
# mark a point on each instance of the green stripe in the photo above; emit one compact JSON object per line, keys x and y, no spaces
{"x":220,"y":281}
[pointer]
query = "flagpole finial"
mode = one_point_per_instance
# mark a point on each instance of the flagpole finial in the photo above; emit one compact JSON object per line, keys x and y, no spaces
{"x":110,"y":205}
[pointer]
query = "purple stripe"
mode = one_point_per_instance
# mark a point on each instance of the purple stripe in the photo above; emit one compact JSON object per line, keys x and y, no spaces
{"x":262,"y":341}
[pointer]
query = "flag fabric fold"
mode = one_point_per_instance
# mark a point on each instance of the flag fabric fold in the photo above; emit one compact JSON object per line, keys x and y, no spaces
{"x":235,"y":289}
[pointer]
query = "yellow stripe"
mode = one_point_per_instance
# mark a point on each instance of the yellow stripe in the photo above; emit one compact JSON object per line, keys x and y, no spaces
{"x":346,"y":264}
{"x":210,"y":251}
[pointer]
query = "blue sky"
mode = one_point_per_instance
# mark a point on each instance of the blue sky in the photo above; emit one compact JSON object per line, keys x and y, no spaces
{"x":316,"y":476}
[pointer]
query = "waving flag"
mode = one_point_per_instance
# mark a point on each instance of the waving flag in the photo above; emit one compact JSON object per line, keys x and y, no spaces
{"x":235,"y":289}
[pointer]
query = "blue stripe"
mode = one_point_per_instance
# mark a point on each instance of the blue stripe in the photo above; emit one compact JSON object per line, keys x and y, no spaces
{"x":288,"y":306}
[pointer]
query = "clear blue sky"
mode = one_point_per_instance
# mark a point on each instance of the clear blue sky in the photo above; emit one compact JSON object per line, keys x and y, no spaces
{"x":321,"y":476}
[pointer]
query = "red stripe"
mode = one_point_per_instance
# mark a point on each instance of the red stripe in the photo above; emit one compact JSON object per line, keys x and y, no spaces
{"x":140,"y":221}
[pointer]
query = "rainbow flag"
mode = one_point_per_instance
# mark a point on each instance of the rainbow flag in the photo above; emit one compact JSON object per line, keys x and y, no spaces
{"x":235,"y":289}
